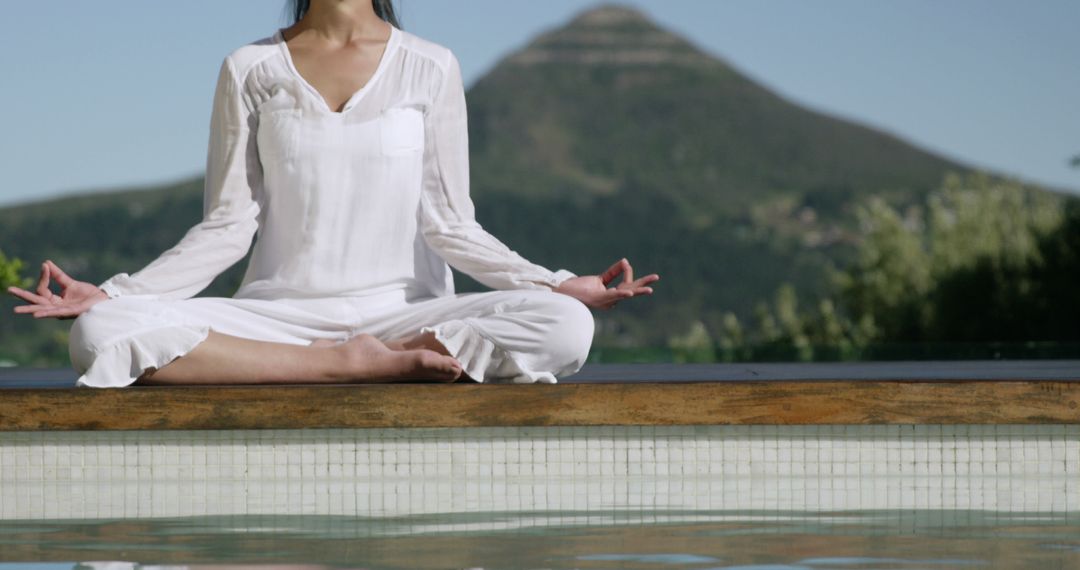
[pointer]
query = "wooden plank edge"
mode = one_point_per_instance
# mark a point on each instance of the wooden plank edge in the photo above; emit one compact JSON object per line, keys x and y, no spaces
{"x":753,"y":402}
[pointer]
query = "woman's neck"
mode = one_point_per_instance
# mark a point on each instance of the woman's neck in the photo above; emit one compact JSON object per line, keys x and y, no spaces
{"x":342,"y":22}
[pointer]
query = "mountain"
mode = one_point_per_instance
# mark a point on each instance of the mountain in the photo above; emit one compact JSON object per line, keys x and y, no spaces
{"x":606,"y":137}
{"x":613,"y":104}
{"x":611,"y":136}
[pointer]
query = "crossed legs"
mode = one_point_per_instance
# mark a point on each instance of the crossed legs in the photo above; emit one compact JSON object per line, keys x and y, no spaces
{"x":525,"y":336}
{"x":228,"y":359}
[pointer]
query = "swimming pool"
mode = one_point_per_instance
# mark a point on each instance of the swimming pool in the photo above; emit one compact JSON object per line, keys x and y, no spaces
{"x":411,"y":471}
{"x":561,"y":476}
{"x":766,"y":540}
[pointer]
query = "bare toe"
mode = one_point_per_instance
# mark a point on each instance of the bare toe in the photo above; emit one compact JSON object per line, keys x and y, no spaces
{"x":370,"y":360}
{"x":446,"y":368}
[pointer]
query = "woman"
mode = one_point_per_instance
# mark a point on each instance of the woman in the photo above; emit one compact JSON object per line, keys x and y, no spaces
{"x":341,"y":142}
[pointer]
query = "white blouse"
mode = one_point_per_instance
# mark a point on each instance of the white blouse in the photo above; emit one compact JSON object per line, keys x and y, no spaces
{"x":372,"y":199}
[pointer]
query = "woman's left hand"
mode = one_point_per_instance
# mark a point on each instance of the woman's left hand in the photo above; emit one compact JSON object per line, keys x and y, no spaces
{"x":593,"y":289}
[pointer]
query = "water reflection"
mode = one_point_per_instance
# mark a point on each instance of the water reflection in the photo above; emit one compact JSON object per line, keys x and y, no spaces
{"x":732,"y":540}
{"x":137,"y":566}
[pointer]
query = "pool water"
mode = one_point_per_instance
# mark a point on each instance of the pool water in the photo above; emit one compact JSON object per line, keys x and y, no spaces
{"x":759,"y":540}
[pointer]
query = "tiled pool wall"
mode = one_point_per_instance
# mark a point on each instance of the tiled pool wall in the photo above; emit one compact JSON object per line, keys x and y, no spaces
{"x":402,"y":471}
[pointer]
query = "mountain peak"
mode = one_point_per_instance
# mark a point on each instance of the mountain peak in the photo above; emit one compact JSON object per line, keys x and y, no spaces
{"x":609,"y":15}
{"x":611,"y":34}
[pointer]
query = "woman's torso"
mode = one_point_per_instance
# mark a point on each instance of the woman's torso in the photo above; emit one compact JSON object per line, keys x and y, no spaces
{"x":340,"y":192}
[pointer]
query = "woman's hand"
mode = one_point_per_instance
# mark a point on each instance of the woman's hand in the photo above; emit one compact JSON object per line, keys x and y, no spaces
{"x":75,"y":296}
{"x":593,"y":291}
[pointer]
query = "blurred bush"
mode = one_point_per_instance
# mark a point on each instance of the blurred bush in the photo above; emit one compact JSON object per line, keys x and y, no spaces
{"x":982,"y":260}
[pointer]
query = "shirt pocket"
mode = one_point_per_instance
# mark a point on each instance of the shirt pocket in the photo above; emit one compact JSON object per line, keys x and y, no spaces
{"x":279,"y":134}
{"x":401,"y":131}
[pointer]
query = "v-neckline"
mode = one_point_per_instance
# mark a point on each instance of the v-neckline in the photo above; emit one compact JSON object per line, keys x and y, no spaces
{"x":391,"y":44}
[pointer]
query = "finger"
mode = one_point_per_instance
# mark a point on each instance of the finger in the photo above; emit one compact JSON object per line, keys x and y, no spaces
{"x":43,"y":282}
{"x":615,"y":295}
{"x":55,"y":312}
{"x":36,"y":310}
{"x":612,"y":272}
{"x":628,"y":272}
{"x":31,"y":308}
{"x":646,"y":280}
{"x":28,"y":296}
{"x":62,"y":278}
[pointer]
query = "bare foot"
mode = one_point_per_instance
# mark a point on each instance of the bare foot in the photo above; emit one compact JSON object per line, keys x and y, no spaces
{"x":370,"y":360}
{"x":421,"y":341}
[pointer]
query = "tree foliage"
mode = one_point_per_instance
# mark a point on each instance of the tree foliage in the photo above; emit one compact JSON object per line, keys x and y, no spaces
{"x":9,"y":272}
{"x":982,"y":259}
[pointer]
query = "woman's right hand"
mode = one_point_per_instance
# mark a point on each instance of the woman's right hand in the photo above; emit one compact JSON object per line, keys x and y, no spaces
{"x":75,"y":296}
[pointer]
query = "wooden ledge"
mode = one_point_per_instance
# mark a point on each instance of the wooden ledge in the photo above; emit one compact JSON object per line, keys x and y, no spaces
{"x":782,"y":402}
{"x":853,"y":393}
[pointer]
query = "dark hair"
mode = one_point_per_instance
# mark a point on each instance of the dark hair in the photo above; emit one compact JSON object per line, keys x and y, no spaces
{"x":383,"y":9}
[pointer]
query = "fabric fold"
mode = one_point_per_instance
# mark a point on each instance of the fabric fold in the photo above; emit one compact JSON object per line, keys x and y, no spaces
{"x":120,"y":364}
{"x":481,"y":358}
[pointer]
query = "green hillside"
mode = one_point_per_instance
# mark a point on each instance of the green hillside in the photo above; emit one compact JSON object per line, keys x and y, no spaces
{"x":611,"y":104}
{"x":611,"y":136}
{"x":607,"y":137}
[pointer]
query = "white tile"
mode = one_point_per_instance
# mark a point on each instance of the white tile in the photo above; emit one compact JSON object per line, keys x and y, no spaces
{"x":147,"y":473}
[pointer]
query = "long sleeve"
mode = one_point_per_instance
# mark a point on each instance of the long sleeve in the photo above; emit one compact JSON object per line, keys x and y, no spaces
{"x":447,"y":213}
{"x":230,"y":211}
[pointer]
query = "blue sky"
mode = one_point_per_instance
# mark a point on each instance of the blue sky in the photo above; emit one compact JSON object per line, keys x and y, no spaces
{"x":107,"y":95}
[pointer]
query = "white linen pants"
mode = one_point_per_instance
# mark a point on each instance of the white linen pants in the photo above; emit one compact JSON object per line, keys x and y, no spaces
{"x":518,"y":336}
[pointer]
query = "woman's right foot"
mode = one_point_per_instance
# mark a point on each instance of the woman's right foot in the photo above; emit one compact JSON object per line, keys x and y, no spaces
{"x":367,"y":359}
